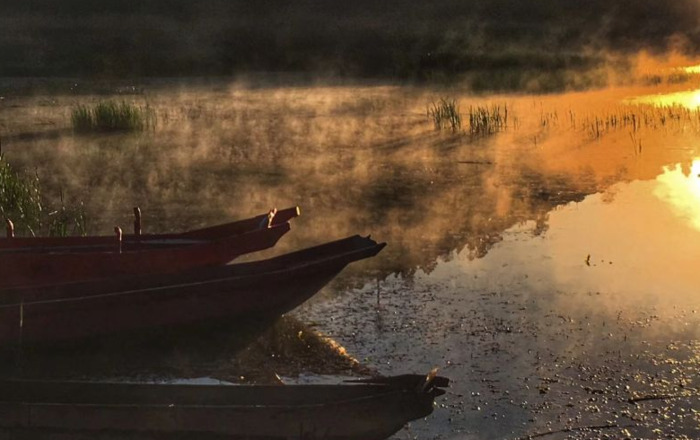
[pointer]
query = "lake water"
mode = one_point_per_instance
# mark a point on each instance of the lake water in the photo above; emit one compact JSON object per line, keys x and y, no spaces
{"x":557,"y":326}
{"x":549,"y":269}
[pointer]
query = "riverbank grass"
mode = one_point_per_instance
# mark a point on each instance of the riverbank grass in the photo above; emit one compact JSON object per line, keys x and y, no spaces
{"x":110,"y":116}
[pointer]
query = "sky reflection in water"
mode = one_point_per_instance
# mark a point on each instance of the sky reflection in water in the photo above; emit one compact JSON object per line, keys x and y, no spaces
{"x":643,"y":238}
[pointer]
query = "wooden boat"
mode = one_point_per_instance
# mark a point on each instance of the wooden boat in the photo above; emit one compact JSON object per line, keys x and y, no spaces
{"x":26,"y":268}
{"x":260,"y":290}
{"x":138,"y":240}
{"x":370,"y":409}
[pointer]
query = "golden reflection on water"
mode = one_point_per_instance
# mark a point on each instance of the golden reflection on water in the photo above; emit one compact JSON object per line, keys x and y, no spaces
{"x":689,"y":99}
{"x":680,"y":188}
{"x":685,"y":98}
{"x":635,"y":245}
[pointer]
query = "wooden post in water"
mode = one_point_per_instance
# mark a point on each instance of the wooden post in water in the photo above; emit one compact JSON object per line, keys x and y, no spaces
{"x":10,"y":228}
{"x":118,"y":231}
{"x":137,"y":221}
{"x":378,"y":293}
{"x":271,"y":216}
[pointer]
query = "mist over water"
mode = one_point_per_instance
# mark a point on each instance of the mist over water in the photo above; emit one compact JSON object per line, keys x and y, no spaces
{"x":547,"y":269}
{"x":553,"y":328}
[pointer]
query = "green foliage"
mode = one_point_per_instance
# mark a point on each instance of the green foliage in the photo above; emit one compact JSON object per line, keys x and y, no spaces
{"x":22,"y":202}
{"x":111,"y":116}
{"x":445,"y":114}
{"x":67,"y":220}
{"x":20,"y":199}
{"x":82,"y":119}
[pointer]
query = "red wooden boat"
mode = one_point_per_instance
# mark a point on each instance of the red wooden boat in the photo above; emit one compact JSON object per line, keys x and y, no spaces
{"x":138,"y":241}
{"x":369,"y":409}
{"x":61,"y":266}
{"x":257,"y":290}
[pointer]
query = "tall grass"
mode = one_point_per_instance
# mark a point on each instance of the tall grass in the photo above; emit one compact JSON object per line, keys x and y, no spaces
{"x":20,"y":199}
{"x":22,"y":202}
{"x":445,"y":114}
{"x":484,"y":120}
{"x":639,"y":117}
{"x":111,"y":116}
{"x":67,"y":220}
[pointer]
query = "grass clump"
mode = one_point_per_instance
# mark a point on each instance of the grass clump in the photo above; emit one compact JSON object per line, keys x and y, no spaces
{"x":111,"y":116}
{"x":445,"y":114}
{"x":22,"y":202}
{"x":67,"y":220}
{"x":20,"y":199}
{"x":484,"y":121}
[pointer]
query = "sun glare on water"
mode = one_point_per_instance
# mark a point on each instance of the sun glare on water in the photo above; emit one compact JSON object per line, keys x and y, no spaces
{"x":689,"y":99}
{"x":692,"y":69}
{"x":680,"y":188}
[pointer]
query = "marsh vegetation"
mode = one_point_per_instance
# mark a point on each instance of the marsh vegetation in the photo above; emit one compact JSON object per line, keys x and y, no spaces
{"x":106,"y":116}
{"x":30,"y":213}
{"x":20,"y":198}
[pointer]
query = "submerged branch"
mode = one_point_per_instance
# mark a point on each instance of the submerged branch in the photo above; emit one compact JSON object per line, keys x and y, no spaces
{"x":635,"y":400}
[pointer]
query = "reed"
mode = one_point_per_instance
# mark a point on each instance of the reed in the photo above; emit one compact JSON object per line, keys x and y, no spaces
{"x":112,"y":116}
{"x":20,"y":199}
{"x":445,"y":114}
{"x":67,"y":220}
{"x":484,"y":121}
{"x":22,"y":202}
{"x":640,"y":117}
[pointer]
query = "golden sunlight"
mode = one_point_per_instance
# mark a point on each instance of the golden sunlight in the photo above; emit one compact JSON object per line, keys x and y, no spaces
{"x":680,"y":188}
{"x":689,"y":99}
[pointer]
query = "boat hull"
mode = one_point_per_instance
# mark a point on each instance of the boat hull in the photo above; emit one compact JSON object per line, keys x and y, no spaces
{"x":18,"y":269}
{"x":260,"y":290}
{"x":337,"y":412}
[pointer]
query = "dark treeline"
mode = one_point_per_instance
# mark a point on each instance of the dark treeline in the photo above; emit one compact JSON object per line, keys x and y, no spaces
{"x":398,"y":39}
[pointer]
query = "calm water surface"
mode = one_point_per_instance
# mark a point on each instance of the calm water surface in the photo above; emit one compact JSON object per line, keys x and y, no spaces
{"x":557,"y":326}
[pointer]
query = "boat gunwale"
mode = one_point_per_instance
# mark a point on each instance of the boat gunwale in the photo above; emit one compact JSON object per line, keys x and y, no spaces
{"x":260,"y":269}
{"x":10,"y":245}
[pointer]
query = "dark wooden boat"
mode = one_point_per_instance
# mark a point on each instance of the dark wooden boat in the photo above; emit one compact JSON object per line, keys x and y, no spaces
{"x":27,"y":268}
{"x":262,"y":290}
{"x":139,"y":241}
{"x":371,"y":409}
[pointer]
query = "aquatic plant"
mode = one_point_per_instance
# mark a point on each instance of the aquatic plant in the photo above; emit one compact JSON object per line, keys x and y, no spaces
{"x":67,"y":220}
{"x":111,"y":116}
{"x":485,"y":121}
{"x":445,"y":114}
{"x":22,"y":202}
{"x":81,"y":117}
{"x":637,"y":117}
{"x":20,"y":198}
